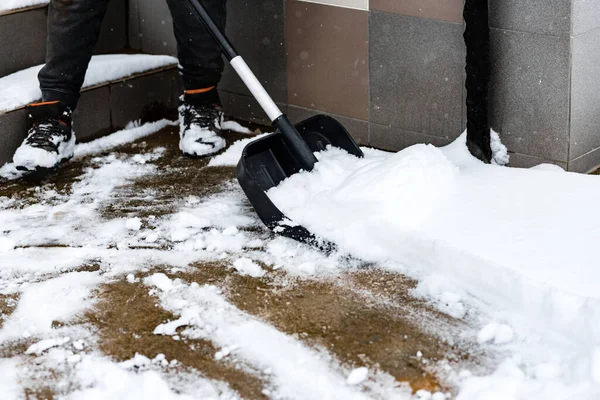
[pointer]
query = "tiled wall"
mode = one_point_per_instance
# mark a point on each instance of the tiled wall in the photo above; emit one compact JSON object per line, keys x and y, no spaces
{"x":393,"y":70}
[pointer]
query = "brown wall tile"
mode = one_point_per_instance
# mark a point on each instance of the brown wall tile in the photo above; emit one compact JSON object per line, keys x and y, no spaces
{"x":445,"y":10}
{"x":327,"y":58}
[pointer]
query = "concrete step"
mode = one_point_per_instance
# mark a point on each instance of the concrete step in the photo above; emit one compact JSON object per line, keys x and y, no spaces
{"x":104,"y":107}
{"x":23,"y":35}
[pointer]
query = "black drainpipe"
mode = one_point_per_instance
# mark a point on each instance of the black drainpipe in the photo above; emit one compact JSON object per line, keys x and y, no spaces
{"x":477,"y":41}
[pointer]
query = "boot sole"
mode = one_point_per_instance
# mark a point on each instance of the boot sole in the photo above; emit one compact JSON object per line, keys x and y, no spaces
{"x":40,"y":173}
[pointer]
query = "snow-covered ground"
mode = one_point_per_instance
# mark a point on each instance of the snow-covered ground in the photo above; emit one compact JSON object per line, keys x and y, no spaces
{"x":22,"y":87}
{"x":506,"y":253}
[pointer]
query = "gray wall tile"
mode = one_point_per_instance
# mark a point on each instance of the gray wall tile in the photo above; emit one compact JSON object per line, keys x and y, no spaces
{"x":445,"y":10}
{"x":395,"y":139}
{"x":586,"y":163}
{"x":417,"y":74}
{"x":13,"y":126}
{"x":525,"y":161}
{"x":92,"y":117}
{"x":357,"y":128}
{"x":245,"y":107}
{"x":529,"y":93}
{"x":130,"y":98}
{"x":586,"y":16}
{"x":551,"y":17}
{"x":260,"y":40}
{"x":22,"y":40}
{"x":585,"y":94}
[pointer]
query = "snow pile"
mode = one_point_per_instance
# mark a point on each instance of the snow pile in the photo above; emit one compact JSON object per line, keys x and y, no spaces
{"x":8,"y":5}
{"x":519,"y":240}
{"x":22,"y":87}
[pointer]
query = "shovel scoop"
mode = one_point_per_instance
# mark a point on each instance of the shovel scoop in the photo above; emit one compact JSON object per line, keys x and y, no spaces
{"x":268,"y":161}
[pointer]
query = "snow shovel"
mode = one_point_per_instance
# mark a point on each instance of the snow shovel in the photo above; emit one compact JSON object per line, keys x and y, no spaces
{"x":268,"y":161}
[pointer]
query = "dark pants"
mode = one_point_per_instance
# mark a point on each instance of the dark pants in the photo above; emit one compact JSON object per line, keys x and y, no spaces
{"x":73,"y":28}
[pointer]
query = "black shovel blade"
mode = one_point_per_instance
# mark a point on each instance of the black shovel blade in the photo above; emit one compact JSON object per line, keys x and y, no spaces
{"x":268,"y":161}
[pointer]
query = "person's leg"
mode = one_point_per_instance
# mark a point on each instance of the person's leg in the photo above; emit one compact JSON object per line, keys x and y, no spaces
{"x":200,"y":60}
{"x":73,"y":29}
{"x":200,"y":66}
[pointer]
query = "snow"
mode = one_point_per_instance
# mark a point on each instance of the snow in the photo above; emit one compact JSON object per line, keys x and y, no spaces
{"x":22,"y":87}
{"x":235,"y":126}
{"x":137,"y":380}
{"x":58,"y":299}
{"x":507,"y":251}
{"x":499,"y":151}
{"x":6,"y":244}
{"x":246,"y":266}
{"x":357,"y":376}
{"x":46,"y":344}
{"x":134,"y":224}
{"x":302,"y":373}
{"x":9,"y":379}
{"x":8,"y":5}
{"x":231,"y":156}
{"x":127,"y":135}
{"x":48,"y":237}
{"x":516,"y":243}
{"x":498,"y":333}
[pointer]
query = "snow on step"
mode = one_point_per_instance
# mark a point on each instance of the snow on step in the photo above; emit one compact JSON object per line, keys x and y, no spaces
{"x":22,"y":87}
{"x":8,"y":5}
{"x":296,"y":371}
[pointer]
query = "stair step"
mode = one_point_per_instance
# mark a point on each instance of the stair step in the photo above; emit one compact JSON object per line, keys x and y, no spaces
{"x":23,"y":33}
{"x":21,"y":88}
{"x":117,"y":90}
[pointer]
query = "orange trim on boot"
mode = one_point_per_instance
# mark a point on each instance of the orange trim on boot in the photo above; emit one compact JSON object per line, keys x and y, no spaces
{"x":45,"y":103}
{"x":198,"y":91}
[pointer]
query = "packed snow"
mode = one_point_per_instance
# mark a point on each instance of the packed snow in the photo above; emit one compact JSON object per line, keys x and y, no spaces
{"x":22,"y":87}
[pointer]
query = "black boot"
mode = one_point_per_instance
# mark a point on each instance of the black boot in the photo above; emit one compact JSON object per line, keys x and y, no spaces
{"x":200,"y":125}
{"x":50,"y":138}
